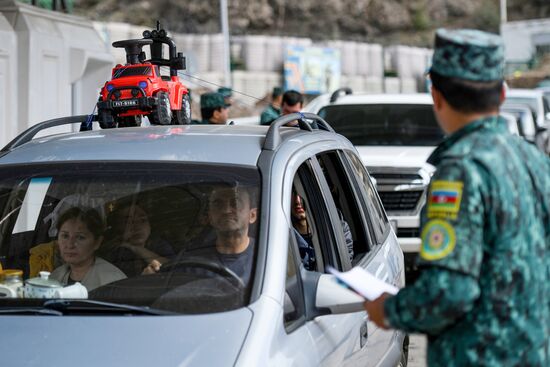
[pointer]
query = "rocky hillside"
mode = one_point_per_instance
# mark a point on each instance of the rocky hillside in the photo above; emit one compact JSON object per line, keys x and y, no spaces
{"x":381,"y":21}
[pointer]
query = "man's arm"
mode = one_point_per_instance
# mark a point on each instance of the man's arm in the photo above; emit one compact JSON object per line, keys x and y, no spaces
{"x":433,"y":302}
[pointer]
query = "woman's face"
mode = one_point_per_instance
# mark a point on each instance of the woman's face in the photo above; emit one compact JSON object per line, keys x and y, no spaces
{"x":77,"y":244}
{"x":136,"y":225}
{"x":298,"y":210}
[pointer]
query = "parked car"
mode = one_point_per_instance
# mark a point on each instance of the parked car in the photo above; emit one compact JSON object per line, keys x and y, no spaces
{"x":526,"y":124}
{"x":511,"y":122}
{"x":394,"y":134}
{"x":198,"y":310}
{"x":534,"y":99}
{"x":546,"y":92}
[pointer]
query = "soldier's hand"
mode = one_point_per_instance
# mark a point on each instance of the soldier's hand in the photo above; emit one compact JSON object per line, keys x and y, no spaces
{"x":375,"y":309}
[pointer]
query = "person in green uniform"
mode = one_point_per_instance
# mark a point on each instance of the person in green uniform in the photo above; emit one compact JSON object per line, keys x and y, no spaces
{"x":214,"y":109}
{"x":482,"y":296}
{"x":227,"y":94}
{"x":272,"y":111}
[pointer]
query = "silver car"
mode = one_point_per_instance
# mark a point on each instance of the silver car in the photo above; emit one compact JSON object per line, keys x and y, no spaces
{"x":200,"y":260}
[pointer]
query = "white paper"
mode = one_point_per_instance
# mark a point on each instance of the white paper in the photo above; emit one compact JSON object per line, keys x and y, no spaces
{"x":363,"y":283}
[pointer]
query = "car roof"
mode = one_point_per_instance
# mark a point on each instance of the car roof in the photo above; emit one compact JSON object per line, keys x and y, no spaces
{"x":218,"y":144}
{"x":195,"y":143}
{"x":515,"y":107}
{"x":518,"y":92}
{"x":378,"y":98}
{"x":413,"y":98}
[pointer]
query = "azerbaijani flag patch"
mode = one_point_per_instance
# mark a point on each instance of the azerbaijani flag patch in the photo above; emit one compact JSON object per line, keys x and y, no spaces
{"x":444,"y":200}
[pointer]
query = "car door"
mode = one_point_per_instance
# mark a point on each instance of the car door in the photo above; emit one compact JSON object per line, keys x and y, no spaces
{"x":336,"y":211}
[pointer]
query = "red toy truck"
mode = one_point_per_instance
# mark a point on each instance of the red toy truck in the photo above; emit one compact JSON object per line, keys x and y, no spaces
{"x":138,"y":89}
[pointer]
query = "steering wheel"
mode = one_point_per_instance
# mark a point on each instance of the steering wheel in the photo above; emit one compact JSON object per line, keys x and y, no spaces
{"x":197,"y":262}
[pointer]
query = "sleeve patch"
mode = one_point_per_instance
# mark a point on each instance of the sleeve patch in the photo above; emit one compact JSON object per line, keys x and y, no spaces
{"x":438,"y":240}
{"x":444,"y":199}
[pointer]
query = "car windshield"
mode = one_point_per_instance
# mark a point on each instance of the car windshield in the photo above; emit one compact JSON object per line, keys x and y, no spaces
{"x":169,"y":236}
{"x":385,"y":124}
{"x":132,"y":71}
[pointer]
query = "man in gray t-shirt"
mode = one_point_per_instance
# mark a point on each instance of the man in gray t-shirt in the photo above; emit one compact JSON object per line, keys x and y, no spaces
{"x":231,"y":211}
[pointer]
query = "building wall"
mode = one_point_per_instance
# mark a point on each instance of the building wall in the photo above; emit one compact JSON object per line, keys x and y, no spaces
{"x":522,"y":37}
{"x":61,"y":63}
{"x":8,"y":82}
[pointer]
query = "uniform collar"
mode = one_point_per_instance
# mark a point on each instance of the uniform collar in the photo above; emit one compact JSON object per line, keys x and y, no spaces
{"x":487,"y":122}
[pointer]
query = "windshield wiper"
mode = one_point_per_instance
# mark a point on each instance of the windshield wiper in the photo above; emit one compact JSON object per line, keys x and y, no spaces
{"x":90,"y":306}
{"x":30,"y":311}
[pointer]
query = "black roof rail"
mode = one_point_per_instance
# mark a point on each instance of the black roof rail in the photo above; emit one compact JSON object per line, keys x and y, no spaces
{"x":334,"y":96}
{"x":28,"y":134}
{"x":273,"y":137}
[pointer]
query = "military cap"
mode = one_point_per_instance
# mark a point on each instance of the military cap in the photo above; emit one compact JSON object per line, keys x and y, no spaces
{"x":277,"y":91}
{"x":468,"y":54}
{"x":213,"y":100}
{"x":225,"y":92}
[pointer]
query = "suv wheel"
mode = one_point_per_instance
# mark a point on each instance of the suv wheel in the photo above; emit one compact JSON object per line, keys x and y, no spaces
{"x":161,"y":114}
{"x":183,"y":116}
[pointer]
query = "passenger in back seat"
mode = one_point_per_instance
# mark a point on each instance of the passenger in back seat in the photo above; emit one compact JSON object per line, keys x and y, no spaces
{"x":133,"y":246}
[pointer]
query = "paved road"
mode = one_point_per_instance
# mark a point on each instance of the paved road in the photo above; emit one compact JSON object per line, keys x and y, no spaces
{"x":417,"y":351}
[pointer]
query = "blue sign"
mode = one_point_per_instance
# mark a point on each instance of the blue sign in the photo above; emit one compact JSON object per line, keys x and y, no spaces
{"x":312,"y":70}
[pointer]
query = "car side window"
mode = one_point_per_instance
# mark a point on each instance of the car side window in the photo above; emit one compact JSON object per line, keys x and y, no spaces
{"x":353,"y":222}
{"x":377,"y":217}
{"x":314,"y":221}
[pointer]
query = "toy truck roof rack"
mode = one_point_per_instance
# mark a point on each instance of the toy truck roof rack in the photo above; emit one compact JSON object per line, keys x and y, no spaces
{"x":176,"y":60}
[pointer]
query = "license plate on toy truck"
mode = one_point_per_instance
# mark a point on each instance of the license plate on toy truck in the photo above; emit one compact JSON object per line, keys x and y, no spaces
{"x":125,"y":103}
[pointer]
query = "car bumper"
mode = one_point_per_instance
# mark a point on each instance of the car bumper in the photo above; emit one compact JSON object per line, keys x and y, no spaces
{"x":140,"y":103}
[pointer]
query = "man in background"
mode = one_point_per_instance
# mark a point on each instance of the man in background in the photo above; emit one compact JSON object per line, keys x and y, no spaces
{"x":214,"y":109}
{"x":274,"y":109}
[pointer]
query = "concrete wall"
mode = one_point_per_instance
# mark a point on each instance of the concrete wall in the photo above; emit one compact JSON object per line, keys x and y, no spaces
{"x":61,"y":63}
{"x":521,"y":38}
{"x":8,"y":82}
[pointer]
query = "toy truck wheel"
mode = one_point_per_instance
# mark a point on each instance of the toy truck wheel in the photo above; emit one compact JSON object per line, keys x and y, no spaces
{"x":105,"y":119}
{"x":161,"y":114}
{"x":183,"y":116}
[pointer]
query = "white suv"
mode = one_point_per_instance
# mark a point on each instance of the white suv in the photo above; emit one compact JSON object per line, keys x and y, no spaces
{"x":394,"y":134}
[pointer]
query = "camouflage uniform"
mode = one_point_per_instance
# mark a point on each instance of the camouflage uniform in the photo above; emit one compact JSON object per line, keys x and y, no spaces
{"x":269,"y":115}
{"x":483,"y":293}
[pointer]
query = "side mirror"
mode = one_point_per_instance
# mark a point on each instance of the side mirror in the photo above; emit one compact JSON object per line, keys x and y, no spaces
{"x":337,"y":299}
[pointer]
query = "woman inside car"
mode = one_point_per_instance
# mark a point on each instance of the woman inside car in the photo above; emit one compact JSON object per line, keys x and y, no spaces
{"x":80,"y":233}
{"x":133,"y":245}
